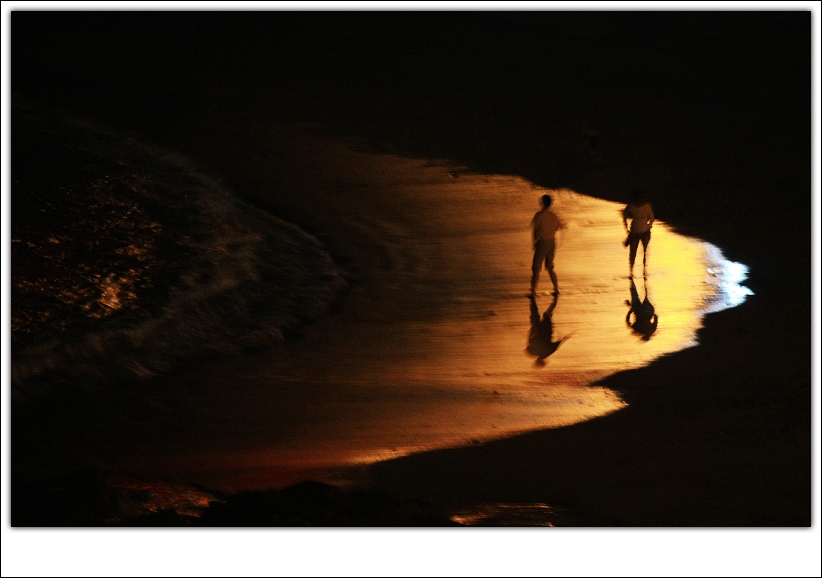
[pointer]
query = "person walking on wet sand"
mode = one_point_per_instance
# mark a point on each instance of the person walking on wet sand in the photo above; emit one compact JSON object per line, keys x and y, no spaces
{"x":545,"y":225}
{"x":642,"y":219}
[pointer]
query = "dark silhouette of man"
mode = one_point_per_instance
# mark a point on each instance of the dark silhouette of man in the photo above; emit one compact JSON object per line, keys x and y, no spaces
{"x":545,"y":225}
{"x":642,"y":219}
{"x":645,"y":317}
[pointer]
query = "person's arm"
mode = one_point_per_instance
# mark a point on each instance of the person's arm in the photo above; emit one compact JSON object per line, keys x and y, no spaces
{"x":625,"y":218}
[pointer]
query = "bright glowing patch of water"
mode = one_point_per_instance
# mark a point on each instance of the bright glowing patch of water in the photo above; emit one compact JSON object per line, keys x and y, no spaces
{"x":725,"y":277}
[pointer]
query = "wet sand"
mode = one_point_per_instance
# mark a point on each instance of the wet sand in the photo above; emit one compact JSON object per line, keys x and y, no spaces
{"x":435,"y":346}
{"x":428,"y":351}
{"x":715,"y":435}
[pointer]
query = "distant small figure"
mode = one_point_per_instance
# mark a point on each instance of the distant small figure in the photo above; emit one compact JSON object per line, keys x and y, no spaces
{"x":540,"y":338}
{"x":645,"y":317}
{"x":642,"y":219}
{"x":545,"y":225}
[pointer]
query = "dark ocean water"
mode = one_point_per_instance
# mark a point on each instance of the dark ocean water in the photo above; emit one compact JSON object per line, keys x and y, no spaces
{"x":126,"y":261}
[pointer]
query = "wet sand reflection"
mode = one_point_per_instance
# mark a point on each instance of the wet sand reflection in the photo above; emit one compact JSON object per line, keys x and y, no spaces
{"x":436,"y":347}
{"x":641,"y":317}
{"x":541,"y":342}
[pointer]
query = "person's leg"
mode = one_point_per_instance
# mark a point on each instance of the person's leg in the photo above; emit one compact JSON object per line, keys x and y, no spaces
{"x":554,"y":280}
{"x":536,"y":264}
{"x":635,"y":302}
{"x":646,"y":238}
{"x":632,"y":247}
{"x":549,"y":264}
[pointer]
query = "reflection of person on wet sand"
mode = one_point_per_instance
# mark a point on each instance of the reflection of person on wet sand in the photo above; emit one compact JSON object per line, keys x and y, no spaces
{"x":545,"y":225}
{"x":645,"y":317}
{"x":642,"y":219}
{"x":540,"y":338}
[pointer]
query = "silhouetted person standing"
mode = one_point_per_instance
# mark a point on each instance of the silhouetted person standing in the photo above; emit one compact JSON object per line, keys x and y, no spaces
{"x":642,"y":219}
{"x":545,"y":225}
{"x":645,"y":317}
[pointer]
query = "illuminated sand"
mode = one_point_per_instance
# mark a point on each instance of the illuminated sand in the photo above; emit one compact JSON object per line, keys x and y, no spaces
{"x":429,"y":348}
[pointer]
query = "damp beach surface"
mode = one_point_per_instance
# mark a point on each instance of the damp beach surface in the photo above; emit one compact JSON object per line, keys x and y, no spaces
{"x":436,"y":344}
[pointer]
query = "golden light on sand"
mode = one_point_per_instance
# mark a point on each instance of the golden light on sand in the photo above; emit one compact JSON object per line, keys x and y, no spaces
{"x":439,"y":346}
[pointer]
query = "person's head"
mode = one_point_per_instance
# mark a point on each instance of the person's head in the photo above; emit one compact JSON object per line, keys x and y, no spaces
{"x":546,"y":201}
{"x":639,"y":196}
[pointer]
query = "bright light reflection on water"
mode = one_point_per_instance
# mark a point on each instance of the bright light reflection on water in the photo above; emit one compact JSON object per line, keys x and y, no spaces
{"x":726,"y":277}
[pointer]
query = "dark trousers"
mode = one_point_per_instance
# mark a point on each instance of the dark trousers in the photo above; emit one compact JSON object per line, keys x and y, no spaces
{"x":543,"y":256}
{"x":633,"y":244}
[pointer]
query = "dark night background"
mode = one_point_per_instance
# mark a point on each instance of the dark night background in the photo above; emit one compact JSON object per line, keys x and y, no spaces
{"x":557,"y":97}
{"x":708,"y":111}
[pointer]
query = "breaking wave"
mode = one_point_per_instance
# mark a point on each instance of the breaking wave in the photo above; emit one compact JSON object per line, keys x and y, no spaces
{"x":126,"y":261}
